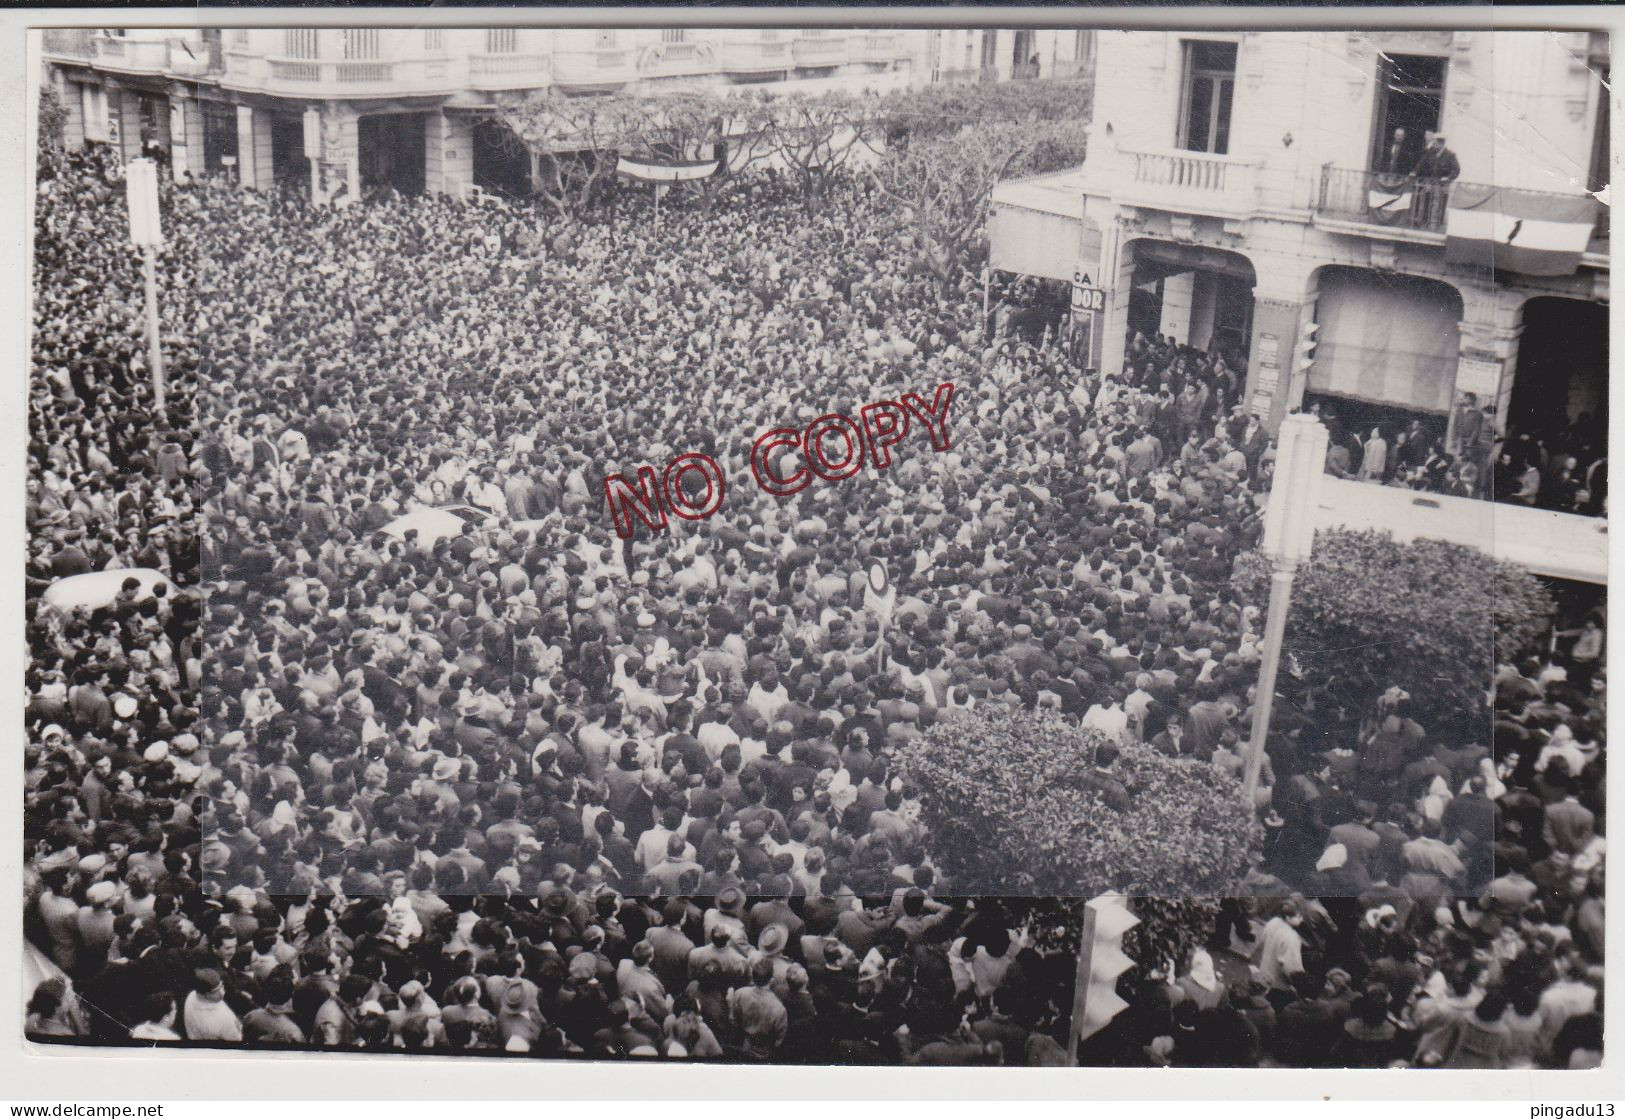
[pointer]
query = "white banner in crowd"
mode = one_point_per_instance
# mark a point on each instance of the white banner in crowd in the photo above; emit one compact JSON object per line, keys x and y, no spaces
{"x":647,"y":172}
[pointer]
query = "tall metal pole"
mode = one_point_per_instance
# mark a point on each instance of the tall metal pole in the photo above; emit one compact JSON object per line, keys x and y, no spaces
{"x":1289,"y":539}
{"x":1264,"y":702}
{"x":987,"y":295}
{"x":155,"y":351}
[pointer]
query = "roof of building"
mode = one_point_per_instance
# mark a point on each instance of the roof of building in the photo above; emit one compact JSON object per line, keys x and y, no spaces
{"x":1059,"y":193}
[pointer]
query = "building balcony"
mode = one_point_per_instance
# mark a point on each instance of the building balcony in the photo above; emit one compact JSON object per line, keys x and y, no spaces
{"x":509,"y":71}
{"x":339,"y":78}
{"x":1185,"y":182}
{"x":970,"y":75}
{"x":821,"y":52}
{"x":1363,"y":203}
{"x":879,"y":47}
{"x":756,"y":56}
{"x":601,"y":69}
{"x":132,"y":56}
{"x":678,"y":60}
{"x":77,"y":43}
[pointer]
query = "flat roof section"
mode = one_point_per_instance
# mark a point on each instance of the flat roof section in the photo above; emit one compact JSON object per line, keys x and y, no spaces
{"x":1560,"y":545}
{"x":1059,"y":193}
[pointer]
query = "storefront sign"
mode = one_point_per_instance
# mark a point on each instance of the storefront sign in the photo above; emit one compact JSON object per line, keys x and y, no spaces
{"x":1475,"y":375}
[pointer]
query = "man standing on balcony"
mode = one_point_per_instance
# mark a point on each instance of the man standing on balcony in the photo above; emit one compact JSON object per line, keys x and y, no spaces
{"x":1398,"y":161}
{"x":1436,"y":169}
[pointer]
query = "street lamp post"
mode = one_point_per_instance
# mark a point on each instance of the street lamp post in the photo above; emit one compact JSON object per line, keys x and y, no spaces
{"x":146,"y":232}
{"x":313,"y":153}
{"x":1289,"y":537}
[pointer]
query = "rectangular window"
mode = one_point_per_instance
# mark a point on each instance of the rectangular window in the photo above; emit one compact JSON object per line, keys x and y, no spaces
{"x":360,"y":42}
{"x":300,"y":42}
{"x":501,"y":40}
{"x":239,"y":38}
{"x":990,"y":48}
{"x":769,"y":35}
{"x":1023,"y":51}
{"x":1410,"y":98}
{"x":1210,"y":85}
{"x":434,"y":40}
{"x":674,"y":35}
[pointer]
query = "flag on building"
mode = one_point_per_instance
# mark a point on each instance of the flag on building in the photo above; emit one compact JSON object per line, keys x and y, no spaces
{"x":1390,"y":203}
{"x":1534,"y":233}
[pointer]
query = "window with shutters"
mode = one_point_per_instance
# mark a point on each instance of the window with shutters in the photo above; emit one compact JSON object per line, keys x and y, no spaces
{"x":434,"y":40}
{"x":360,"y":42}
{"x":501,"y":40}
{"x":1210,"y":85}
{"x":239,"y":38}
{"x":300,"y":42}
{"x":674,"y":35}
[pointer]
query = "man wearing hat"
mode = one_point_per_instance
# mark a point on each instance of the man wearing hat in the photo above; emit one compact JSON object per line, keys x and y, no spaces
{"x":1436,"y":168}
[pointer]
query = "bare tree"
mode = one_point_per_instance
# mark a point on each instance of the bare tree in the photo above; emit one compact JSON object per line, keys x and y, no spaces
{"x":942,"y":186}
{"x":815,"y":138}
{"x":574,"y":142}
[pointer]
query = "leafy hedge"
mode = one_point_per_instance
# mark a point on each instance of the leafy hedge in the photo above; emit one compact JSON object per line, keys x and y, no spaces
{"x":1369,"y":612}
{"x":1000,"y":791}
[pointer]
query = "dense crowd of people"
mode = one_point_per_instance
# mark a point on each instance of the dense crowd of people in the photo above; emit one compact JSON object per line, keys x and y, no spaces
{"x":1563,"y":469}
{"x":526,"y":787}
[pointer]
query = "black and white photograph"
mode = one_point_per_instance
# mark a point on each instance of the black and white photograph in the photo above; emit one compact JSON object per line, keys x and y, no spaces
{"x":840,"y":545}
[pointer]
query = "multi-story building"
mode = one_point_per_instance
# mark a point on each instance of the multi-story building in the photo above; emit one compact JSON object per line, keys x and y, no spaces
{"x":411,"y":107}
{"x":1267,"y":193}
{"x":1248,"y":189}
{"x":980,"y":55}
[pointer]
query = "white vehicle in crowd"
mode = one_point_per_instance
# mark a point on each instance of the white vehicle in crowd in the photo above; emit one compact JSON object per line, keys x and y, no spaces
{"x":434,"y":524}
{"x":96,"y":589}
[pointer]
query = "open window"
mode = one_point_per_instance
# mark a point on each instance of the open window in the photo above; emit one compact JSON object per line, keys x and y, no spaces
{"x":1023,"y":52}
{"x":990,"y":49}
{"x":1210,"y":84}
{"x":1410,"y":99}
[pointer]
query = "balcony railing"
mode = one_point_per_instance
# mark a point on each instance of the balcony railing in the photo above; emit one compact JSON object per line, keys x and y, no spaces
{"x":603,"y":67}
{"x":339,"y":77}
{"x":1191,"y":182}
{"x":143,"y":55}
{"x":509,"y":71}
{"x":1399,"y":202}
{"x":1408,"y":208}
{"x":756,"y":56}
{"x":970,"y":75}
{"x":880,"y":47}
{"x":670,"y":60}
{"x":821,"y":52}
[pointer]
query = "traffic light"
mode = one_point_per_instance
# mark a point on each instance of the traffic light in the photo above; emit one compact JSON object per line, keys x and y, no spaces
{"x":1304,"y":356}
{"x":1101,"y":961}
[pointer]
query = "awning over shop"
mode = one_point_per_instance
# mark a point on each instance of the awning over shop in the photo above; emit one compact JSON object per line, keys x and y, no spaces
{"x":1387,"y":339}
{"x":1037,"y":228}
